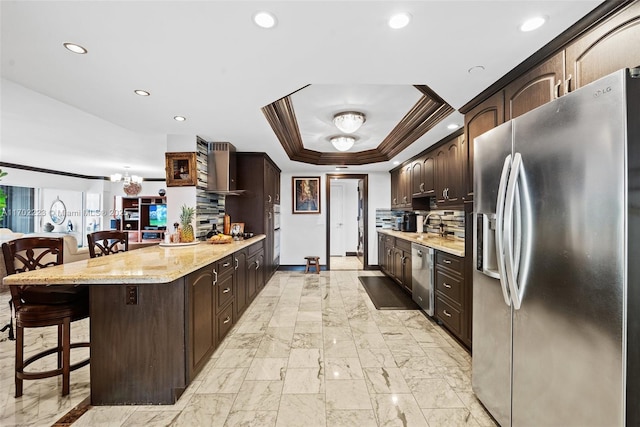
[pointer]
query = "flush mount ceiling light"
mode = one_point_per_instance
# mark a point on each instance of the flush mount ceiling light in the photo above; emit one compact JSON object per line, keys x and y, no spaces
{"x":75,"y":48}
{"x":349,"y":121}
{"x":533,"y":23}
{"x":141,"y":92}
{"x":179,"y":118}
{"x":399,"y":20}
{"x":342,"y":143}
{"x":453,"y":126}
{"x":265,"y":19}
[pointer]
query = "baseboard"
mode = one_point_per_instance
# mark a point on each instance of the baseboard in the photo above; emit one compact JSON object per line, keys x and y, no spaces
{"x":372,"y":268}
{"x":352,"y":254}
{"x":299,"y":268}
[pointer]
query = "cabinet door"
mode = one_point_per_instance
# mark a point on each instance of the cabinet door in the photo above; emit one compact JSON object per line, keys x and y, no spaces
{"x":608,"y":47}
{"x":454,"y":173}
{"x":201,"y":317}
{"x":406,"y":271}
{"x":261,"y":270}
{"x":429,"y":174}
{"x":397,"y":262}
{"x":252,"y":278}
{"x":441,"y":174}
{"x":405,"y":184}
{"x":535,"y":88}
{"x":381,"y":251}
{"x":241,"y":300}
{"x":417,"y":178}
{"x":395,"y":187}
{"x":477,"y":121}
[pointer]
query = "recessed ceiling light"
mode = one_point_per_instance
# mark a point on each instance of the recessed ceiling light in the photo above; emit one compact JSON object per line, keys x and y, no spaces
{"x":75,"y":48}
{"x":533,"y":23}
{"x":341,"y":167}
{"x":453,"y":126}
{"x":265,"y":19}
{"x":141,"y":92}
{"x":396,"y":162}
{"x":476,"y":69}
{"x":179,"y":118}
{"x":399,"y":20}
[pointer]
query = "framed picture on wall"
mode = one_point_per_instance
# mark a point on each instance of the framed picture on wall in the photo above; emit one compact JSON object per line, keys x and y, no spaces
{"x":181,"y":169}
{"x":306,"y":194}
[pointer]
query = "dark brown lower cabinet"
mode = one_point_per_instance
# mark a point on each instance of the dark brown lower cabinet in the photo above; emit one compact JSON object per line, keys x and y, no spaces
{"x":453,"y":297}
{"x":147,"y":352}
{"x":201,"y":300}
{"x":394,"y":258}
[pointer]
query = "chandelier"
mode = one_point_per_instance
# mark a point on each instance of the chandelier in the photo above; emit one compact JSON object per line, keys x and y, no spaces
{"x":131,"y":184}
{"x":342,"y":143}
{"x":349,"y":121}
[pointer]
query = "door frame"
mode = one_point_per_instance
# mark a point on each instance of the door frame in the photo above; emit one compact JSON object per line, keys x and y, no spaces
{"x":365,"y":189}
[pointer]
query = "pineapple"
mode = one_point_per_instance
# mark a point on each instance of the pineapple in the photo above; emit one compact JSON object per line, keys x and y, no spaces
{"x":186,"y":216}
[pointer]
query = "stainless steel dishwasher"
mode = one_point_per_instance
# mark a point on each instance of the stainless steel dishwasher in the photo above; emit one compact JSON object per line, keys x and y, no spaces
{"x":422,"y":276}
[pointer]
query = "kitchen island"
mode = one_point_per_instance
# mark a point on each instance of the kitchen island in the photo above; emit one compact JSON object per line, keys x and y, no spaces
{"x":158,"y":313}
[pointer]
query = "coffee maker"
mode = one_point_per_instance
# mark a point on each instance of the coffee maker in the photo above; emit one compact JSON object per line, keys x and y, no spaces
{"x":409,"y":222}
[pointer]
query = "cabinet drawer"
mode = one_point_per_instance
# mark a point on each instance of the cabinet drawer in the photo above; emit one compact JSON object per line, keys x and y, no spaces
{"x":451,"y":262}
{"x":225,"y":266}
{"x":449,"y":285}
{"x":224,"y":291}
{"x":224,"y":322}
{"x":390,"y":241}
{"x":449,"y":315}
{"x":256,"y":247}
{"x":405,"y":245}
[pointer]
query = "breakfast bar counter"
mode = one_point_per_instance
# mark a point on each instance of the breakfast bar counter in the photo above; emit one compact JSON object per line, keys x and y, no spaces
{"x":158,"y":313}
{"x":152,"y":264}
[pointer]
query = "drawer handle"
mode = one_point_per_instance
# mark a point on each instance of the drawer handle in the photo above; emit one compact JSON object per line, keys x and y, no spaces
{"x":236,"y":263}
{"x":446,"y":313}
{"x":447,"y":261}
{"x":226,"y":264}
{"x":446,"y":285}
{"x":227,"y":320}
{"x":226,"y":290}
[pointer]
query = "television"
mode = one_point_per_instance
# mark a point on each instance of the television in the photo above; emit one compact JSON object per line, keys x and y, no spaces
{"x":158,"y":215}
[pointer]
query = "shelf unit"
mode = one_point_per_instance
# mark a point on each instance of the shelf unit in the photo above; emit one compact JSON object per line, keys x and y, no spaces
{"x":132,"y":215}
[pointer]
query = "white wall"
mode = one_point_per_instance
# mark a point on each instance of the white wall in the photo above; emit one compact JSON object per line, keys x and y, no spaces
{"x":303,"y":235}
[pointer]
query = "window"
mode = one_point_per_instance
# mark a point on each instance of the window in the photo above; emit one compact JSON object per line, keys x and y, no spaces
{"x":20,"y":212}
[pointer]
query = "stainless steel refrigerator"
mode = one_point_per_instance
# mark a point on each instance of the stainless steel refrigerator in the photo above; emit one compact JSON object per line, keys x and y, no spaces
{"x":556,"y":279}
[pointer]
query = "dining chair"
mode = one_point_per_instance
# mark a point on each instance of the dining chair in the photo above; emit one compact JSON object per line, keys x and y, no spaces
{"x":108,"y":242}
{"x":42,"y":306}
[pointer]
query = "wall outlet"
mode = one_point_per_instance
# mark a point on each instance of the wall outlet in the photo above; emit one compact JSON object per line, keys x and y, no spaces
{"x":132,"y":295}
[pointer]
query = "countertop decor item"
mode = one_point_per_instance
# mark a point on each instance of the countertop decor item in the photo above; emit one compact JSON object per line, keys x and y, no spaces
{"x":186,"y":216}
{"x":181,"y":169}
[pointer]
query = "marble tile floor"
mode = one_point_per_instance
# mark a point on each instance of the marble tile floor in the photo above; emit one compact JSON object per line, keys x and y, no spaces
{"x":311,"y":350}
{"x":345,"y":263}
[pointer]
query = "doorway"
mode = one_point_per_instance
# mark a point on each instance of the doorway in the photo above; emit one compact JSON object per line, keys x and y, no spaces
{"x":336,"y":223}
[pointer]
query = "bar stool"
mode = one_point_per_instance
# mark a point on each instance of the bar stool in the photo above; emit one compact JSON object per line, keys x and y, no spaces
{"x":312,"y":261}
{"x":107,"y":242}
{"x":41,"y":306}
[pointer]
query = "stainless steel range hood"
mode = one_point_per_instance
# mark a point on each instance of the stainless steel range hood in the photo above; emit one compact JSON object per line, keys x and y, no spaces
{"x":221,"y":169}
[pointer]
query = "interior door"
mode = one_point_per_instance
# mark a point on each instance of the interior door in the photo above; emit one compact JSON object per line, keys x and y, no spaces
{"x":360,"y":250}
{"x":337,"y":220}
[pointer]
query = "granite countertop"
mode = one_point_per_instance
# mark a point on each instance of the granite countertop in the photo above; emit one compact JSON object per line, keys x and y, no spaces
{"x":152,"y":264}
{"x":450,"y":245}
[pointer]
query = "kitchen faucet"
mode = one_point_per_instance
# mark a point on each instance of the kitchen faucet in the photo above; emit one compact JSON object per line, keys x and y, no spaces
{"x":441,"y":225}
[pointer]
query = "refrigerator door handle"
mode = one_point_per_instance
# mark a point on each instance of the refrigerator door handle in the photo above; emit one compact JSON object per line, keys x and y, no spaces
{"x":513,"y":237}
{"x":502,"y":190}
